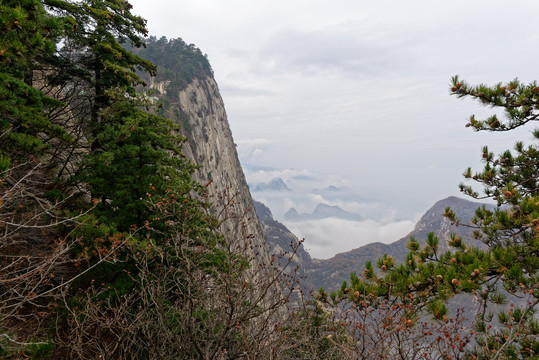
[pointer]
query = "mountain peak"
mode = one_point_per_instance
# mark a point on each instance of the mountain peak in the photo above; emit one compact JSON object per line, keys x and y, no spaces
{"x":322,"y":211}
{"x":275,"y":184}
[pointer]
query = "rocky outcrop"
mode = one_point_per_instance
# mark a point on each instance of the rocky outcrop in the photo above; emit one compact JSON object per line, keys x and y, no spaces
{"x":330,"y":273}
{"x":188,"y":94}
{"x":191,"y":98}
{"x":283,"y":244}
{"x":194,"y":102}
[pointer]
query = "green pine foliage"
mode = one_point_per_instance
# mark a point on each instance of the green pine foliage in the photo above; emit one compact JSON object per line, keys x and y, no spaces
{"x":177,"y":61}
{"x":108,"y":248}
{"x":29,"y":37}
{"x":428,"y":278}
{"x":140,"y":156}
{"x":121,"y":258}
{"x":93,"y":52}
{"x":27,"y":43}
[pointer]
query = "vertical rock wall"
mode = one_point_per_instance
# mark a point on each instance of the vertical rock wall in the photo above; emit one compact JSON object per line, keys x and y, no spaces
{"x":200,"y":110}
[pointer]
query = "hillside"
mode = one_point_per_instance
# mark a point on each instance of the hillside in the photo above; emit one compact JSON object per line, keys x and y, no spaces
{"x":330,"y":273}
{"x":282,"y":244}
{"x":128,"y":231}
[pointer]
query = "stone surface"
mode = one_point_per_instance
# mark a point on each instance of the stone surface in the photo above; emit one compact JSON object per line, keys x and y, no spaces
{"x":212,"y":146}
{"x":200,"y":111}
{"x":283,"y":244}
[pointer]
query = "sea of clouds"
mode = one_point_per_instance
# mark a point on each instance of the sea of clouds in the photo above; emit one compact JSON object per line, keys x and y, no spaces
{"x":381,"y":219}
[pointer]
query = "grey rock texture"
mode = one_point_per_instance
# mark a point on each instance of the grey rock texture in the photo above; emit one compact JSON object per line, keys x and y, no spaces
{"x":200,"y":110}
{"x":211,"y":145}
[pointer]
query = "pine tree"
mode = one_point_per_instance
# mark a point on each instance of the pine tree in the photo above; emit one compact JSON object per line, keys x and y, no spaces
{"x":32,"y":248}
{"x":141,"y":155}
{"x":509,"y":266}
{"x":94,"y":53}
{"x":119,"y":257}
{"x":28,"y":39}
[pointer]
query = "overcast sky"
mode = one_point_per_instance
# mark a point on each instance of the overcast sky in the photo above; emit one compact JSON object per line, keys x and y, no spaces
{"x":358,"y":91}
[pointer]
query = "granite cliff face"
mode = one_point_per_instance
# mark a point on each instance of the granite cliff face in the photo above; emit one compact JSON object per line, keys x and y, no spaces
{"x":188,"y":94}
{"x":211,"y":146}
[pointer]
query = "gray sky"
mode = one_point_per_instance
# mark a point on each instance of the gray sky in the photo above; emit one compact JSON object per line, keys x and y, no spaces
{"x":356,"y":92}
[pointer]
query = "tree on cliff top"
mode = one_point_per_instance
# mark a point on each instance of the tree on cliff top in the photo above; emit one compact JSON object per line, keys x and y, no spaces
{"x":178,"y":62}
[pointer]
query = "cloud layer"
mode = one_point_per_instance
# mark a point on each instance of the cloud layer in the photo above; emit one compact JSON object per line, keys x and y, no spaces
{"x":327,"y":237}
{"x":354,"y":88}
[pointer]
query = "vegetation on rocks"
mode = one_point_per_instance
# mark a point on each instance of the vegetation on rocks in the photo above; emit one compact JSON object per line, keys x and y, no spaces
{"x":110,"y":249}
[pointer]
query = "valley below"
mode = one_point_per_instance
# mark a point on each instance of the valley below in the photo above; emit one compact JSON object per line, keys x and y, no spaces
{"x":329,"y":273}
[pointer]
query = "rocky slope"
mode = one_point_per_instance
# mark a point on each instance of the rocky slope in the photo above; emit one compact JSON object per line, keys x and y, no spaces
{"x":211,"y":145}
{"x":282,"y":244}
{"x":330,"y":273}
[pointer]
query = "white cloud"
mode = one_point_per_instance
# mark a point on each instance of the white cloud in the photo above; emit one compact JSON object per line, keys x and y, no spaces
{"x":255,"y":175}
{"x":327,"y":237}
{"x":318,"y":199}
{"x":251,"y":149}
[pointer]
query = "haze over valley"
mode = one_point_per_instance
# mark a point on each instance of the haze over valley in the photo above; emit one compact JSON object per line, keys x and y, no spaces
{"x":331,"y":219}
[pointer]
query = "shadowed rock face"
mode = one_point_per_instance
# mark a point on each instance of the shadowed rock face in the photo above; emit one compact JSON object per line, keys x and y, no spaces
{"x":282,"y":242}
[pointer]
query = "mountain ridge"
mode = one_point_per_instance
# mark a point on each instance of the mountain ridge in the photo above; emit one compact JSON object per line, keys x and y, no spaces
{"x":275,"y":184}
{"x":322,"y":211}
{"x":330,"y":273}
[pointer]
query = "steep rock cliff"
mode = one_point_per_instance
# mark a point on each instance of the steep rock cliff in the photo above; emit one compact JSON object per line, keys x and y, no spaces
{"x":212,"y":147}
{"x":189,"y":95}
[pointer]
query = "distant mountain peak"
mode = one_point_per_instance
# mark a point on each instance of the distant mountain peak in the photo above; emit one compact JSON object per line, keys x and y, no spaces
{"x":322,"y":211}
{"x":291,"y":213}
{"x":329,"y":273}
{"x":275,"y":184}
